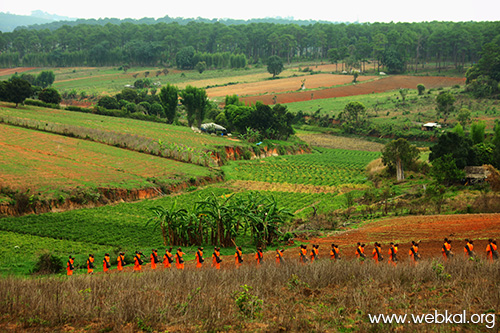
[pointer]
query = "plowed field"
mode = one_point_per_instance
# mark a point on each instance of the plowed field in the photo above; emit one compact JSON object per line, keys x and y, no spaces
{"x":364,"y":87}
{"x":431,"y":230}
{"x":283,"y":85}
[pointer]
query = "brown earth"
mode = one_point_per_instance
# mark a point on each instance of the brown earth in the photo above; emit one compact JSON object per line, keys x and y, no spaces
{"x":431,"y":230}
{"x":287,"y":84}
{"x":10,"y":71}
{"x":376,"y":86}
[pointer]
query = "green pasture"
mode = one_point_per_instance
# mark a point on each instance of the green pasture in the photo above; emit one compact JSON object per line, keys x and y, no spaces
{"x":326,"y":167}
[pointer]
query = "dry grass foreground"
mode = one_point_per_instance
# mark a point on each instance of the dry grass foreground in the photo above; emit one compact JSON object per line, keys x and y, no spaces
{"x":323,"y":296}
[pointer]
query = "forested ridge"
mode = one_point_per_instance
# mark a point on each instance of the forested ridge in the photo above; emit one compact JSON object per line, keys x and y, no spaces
{"x":398,"y":46}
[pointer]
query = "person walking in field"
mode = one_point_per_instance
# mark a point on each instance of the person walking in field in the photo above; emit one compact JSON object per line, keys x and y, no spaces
{"x":167,"y":258}
{"x":154,"y":258}
{"x":491,"y":250}
{"x":360,"y":252}
{"x":279,"y":255}
{"x":199,"y":257}
{"x":216,"y":259}
{"x":413,"y":252}
{"x":179,"y":261}
{"x":106,"y":265}
{"x":469,"y":249}
{"x":314,"y":252}
{"x":393,"y":252}
{"x":238,"y":257}
{"x":259,"y":256}
{"x":303,"y":254}
{"x":377,"y":253}
{"x":137,"y":262}
{"x":334,"y":252}
{"x":120,"y":261}
{"x":90,"y":264}
{"x":70,"y":266}
{"x":446,"y":249}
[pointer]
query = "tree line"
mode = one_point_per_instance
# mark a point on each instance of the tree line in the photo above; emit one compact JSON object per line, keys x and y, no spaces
{"x":396,"y":46}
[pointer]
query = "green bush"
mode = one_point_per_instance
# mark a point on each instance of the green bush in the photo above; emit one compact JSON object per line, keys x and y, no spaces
{"x":48,"y":264}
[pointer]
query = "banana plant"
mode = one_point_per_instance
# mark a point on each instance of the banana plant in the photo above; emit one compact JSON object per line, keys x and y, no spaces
{"x":169,"y":220}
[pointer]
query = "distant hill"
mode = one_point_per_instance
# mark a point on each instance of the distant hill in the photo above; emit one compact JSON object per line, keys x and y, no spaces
{"x":9,"y":22}
{"x":149,"y":20}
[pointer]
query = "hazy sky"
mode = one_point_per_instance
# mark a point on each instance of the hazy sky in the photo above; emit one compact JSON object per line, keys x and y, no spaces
{"x":329,"y":10}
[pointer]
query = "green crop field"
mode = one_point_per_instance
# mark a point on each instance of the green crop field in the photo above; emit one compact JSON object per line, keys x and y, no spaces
{"x":149,"y":130}
{"x":325,"y":167}
{"x":47,"y":164}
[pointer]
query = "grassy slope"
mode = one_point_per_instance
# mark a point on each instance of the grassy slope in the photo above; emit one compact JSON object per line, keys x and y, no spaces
{"x":153,"y":131}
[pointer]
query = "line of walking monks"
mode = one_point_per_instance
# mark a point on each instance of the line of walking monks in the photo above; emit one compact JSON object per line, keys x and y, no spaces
{"x":304,"y":257}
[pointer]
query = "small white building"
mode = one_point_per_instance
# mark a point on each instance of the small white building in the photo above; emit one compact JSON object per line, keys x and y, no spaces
{"x":430,"y":126}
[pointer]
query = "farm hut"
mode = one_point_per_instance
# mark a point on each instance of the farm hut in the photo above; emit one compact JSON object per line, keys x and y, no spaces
{"x":213,"y":128}
{"x":430,"y":126}
{"x":475,"y":174}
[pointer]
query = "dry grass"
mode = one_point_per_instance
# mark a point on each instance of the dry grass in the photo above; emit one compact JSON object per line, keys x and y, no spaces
{"x":323,"y":296}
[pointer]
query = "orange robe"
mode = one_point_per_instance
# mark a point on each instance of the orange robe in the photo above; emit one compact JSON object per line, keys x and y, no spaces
{"x":90,"y":265}
{"x":259,"y":256}
{"x":137,"y":263}
{"x":334,"y":253}
{"x":413,"y":252}
{"x":70,"y":267}
{"x":199,"y":259}
{"x":167,"y":259}
{"x":279,"y":256}
{"x":468,"y":253}
{"x":120,"y":262}
{"x":154,"y":259}
{"x":215,"y":262}
{"x":393,"y":251}
{"x":360,"y":252}
{"x":238,"y":258}
{"x":375,"y":254}
{"x":446,"y":248}
{"x":179,"y":262}
{"x":303,"y":256}
{"x":105,"y":264}
{"x":490,"y":248}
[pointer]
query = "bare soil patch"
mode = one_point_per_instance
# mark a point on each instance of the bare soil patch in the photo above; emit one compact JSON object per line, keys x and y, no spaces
{"x":283,"y":85}
{"x":10,"y":71}
{"x":431,"y":230}
{"x":371,"y":87}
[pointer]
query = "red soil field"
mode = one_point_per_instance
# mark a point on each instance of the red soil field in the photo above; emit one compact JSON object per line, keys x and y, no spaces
{"x":431,"y":230}
{"x":283,"y":85}
{"x":10,"y":71}
{"x":377,"y":86}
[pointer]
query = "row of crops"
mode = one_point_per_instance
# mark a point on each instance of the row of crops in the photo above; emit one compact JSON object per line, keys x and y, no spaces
{"x":154,"y":131}
{"x":324,"y":167}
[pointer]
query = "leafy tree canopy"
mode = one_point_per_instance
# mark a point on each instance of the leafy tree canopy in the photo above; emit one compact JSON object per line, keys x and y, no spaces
{"x":274,"y":65}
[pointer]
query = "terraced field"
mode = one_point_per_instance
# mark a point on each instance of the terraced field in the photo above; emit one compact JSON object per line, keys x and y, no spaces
{"x":48,"y":164}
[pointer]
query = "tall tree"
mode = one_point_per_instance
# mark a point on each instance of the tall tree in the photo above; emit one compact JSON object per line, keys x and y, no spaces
{"x":16,"y":90}
{"x":274,"y":65}
{"x":397,"y":154}
{"x":169,"y":97}
{"x":445,"y":101}
{"x":196,"y":102}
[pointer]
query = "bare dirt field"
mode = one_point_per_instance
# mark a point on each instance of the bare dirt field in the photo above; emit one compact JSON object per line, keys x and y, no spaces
{"x":10,"y":71}
{"x":375,"y":86}
{"x":431,"y":230}
{"x":283,"y":85}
